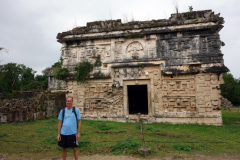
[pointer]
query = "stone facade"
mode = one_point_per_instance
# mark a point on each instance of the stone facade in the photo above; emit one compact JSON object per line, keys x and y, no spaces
{"x":168,"y":70}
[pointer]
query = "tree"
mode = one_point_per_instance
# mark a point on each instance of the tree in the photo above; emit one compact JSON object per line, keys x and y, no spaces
{"x":27,"y":78}
{"x":11,"y":74}
{"x":231,"y":88}
{"x":17,"y":77}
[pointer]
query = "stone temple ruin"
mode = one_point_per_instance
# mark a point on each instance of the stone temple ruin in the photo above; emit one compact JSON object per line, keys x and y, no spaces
{"x":169,"y":70}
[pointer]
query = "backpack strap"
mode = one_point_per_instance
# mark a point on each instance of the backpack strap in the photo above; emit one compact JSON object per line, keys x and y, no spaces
{"x":74,"y":111}
{"x":63,"y":113}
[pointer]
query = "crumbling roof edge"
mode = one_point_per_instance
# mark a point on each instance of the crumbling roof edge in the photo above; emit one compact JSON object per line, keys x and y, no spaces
{"x":176,"y":19}
{"x":140,"y":33}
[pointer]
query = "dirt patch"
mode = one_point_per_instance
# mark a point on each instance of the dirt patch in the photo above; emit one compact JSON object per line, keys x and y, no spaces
{"x":175,"y":157}
{"x":112,"y":157}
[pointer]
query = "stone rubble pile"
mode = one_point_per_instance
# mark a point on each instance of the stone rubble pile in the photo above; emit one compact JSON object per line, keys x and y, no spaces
{"x":226,"y":103}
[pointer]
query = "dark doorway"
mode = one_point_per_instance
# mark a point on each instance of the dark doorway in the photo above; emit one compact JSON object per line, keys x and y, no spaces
{"x":137,"y":99}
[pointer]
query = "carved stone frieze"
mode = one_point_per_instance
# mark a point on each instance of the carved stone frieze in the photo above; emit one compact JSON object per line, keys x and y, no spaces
{"x":179,"y":104}
{"x":134,"y":50}
{"x":178,"y":87}
{"x":105,"y":102}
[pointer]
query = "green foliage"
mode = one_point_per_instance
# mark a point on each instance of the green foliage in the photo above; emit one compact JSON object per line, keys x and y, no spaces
{"x":156,"y":140}
{"x":10,"y":95}
{"x":41,"y":82}
{"x":83,"y":69}
{"x":138,"y":126}
{"x":3,"y":135}
{"x":27,"y":76}
{"x":46,"y":71}
{"x":17,"y":77}
{"x":51,"y":140}
{"x":40,"y":130}
{"x":118,"y":148}
{"x":52,"y":121}
{"x":10,"y":78}
{"x":61,"y":73}
{"x":149,"y":129}
{"x":92,"y":143}
{"x":231,"y":88}
{"x":98,"y":61}
{"x":158,"y":130}
{"x":184,"y":147}
{"x":83,"y":133}
{"x":83,"y":143}
{"x":231,"y":117}
{"x":189,"y":13}
{"x":58,"y":64}
{"x":104,"y":126}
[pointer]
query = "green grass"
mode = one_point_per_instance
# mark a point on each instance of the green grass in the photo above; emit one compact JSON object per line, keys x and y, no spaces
{"x":37,"y":138}
{"x":123,"y":147}
{"x":3,"y":135}
{"x":232,"y":116}
{"x":179,"y":147}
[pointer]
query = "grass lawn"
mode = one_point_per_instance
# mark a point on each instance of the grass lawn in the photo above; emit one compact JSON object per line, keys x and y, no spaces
{"x":37,"y":139}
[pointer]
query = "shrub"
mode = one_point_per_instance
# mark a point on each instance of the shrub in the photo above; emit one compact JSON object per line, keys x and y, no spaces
{"x":61,"y":73}
{"x":83,"y":69}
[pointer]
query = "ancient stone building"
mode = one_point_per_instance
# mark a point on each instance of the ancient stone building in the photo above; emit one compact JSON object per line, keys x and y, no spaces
{"x":169,"y":70}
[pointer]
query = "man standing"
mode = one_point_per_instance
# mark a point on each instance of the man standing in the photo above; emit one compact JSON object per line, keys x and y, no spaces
{"x":69,"y":119}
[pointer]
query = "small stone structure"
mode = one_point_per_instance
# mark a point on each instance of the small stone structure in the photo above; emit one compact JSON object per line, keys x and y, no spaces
{"x":169,"y":70}
{"x":54,"y":84}
{"x":31,"y":105}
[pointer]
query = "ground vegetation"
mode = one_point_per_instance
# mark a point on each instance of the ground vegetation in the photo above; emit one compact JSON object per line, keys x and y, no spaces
{"x":115,"y":138}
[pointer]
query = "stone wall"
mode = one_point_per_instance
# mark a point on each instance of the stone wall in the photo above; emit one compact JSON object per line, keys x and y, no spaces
{"x":178,"y":60}
{"x":31,"y":105}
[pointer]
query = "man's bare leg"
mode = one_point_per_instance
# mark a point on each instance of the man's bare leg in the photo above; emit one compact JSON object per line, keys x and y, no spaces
{"x":64,"y":153}
{"x":75,"y":150}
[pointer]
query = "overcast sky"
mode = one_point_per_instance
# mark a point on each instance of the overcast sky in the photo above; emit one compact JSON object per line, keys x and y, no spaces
{"x":28,"y":28}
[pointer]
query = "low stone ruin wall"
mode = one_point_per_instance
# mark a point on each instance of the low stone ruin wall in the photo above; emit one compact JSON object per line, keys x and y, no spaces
{"x":31,"y":105}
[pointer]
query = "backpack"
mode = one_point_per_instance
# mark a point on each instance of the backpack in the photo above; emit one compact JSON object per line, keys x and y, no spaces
{"x":74,"y":111}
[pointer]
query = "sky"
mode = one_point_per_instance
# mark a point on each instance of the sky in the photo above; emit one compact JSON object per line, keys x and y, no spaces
{"x":28,"y":28}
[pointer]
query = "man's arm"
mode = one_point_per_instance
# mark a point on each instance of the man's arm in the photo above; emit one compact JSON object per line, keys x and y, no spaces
{"x":59,"y":130}
{"x":79,"y":129}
